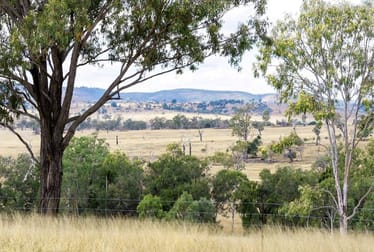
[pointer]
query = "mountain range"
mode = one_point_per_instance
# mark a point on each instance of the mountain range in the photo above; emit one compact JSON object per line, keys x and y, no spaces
{"x":86,"y":94}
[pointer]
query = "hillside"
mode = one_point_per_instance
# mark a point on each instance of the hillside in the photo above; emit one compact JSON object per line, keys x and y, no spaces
{"x":85,"y":94}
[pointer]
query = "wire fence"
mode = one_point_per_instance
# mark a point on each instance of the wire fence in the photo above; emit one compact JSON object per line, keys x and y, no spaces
{"x":226,"y":213}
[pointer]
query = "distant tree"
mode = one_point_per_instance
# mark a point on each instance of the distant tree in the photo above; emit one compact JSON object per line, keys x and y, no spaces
{"x":180,"y":122}
{"x":288,"y":144}
{"x":134,"y":125}
{"x":266,"y":116}
{"x":317,"y":132}
{"x":259,"y":126}
{"x":157,"y":123}
{"x":240,"y":122}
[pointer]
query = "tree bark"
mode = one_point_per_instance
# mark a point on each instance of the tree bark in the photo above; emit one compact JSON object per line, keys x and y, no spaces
{"x":51,"y":153}
{"x":343,"y":223}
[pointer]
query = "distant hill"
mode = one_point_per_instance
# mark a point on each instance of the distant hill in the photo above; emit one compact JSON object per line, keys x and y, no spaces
{"x":86,"y":94}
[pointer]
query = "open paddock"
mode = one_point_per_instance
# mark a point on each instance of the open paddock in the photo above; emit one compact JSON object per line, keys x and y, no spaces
{"x":149,"y":144}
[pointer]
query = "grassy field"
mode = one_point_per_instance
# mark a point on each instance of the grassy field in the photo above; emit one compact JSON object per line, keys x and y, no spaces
{"x":149,"y":144}
{"x":36,"y":233}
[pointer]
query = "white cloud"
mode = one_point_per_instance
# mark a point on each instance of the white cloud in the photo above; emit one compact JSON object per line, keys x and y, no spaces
{"x":214,"y":74}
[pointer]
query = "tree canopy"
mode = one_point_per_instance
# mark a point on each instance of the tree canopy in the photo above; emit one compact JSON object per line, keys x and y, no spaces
{"x":324,"y":62}
{"x":45,"y":44}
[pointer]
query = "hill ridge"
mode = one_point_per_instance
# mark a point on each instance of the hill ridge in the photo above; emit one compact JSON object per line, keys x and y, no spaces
{"x":88,"y":94}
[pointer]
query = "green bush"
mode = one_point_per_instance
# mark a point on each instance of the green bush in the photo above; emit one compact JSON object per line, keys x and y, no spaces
{"x":150,"y":207}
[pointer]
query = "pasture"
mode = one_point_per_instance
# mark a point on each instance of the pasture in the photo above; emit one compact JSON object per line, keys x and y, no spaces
{"x":149,"y":144}
{"x":35,"y":233}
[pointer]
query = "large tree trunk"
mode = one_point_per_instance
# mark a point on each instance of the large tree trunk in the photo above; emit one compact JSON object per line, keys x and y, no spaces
{"x":51,"y":153}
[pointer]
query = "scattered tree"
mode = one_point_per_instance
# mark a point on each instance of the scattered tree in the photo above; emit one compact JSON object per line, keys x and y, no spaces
{"x":266,"y":116}
{"x":241,"y":122}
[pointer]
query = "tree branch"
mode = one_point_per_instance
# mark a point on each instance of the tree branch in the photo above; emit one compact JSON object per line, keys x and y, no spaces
{"x":28,"y":147}
{"x":332,"y":197}
{"x":359,"y":202}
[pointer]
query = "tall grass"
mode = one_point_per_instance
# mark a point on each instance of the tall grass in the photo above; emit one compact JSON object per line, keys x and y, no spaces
{"x":35,"y":233}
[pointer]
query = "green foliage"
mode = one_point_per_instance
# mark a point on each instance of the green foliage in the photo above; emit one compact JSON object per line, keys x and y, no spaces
{"x":240,"y":122}
{"x":281,"y":187}
{"x":19,"y":183}
{"x":185,"y":208}
{"x":266,"y":116}
{"x":120,"y":184}
{"x":134,"y":125}
{"x":248,"y":205}
{"x":298,"y":211}
{"x":287,"y":143}
{"x":201,"y":211}
{"x":317,"y":131}
{"x":365,"y":218}
{"x":82,"y":163}
{"x":223,"y":158}
{"x":174,"y":173}
{"x":366,"y":125}
{"x":259,"y":126}
{"x":150,"y":207}
{"x":179,"y":211}
{"x":253,"y":146}
{"x":10,"y":101}
{"x":228,"y":186}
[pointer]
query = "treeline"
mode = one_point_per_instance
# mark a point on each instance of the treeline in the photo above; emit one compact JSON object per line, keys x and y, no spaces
{"x":181,"y":187}
{"x":182,"y":122}
{"x":177,"y":122}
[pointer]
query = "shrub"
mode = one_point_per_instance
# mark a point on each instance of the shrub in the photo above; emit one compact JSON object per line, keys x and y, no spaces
{"x":150,"y":207}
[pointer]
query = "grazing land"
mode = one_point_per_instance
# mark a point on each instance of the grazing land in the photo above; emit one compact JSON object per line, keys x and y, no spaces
{"x":149,"y":144}
{"x":35,"y":233}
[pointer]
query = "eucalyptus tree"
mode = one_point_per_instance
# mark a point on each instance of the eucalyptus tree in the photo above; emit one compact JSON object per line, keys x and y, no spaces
{"x":45,"y":44}
{"x":241,"y":123}
{"x":324,"y":65}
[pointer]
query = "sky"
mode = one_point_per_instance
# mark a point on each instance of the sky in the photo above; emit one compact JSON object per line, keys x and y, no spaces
{"x":215,"y":73}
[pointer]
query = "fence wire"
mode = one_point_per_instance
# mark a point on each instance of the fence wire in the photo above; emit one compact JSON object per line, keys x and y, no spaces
{"x":231,"y":215}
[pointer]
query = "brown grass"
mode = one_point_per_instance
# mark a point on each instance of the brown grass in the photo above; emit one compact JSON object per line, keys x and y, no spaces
{"x":35,"y":233}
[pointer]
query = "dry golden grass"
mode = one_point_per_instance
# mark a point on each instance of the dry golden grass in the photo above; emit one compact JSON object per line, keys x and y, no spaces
{"x":35,"y":233}
{"x":145,"y":143}
{"x":149,"y":144}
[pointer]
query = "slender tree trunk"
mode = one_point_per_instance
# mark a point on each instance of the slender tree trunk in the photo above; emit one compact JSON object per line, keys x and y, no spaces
{"x":343,"y":223}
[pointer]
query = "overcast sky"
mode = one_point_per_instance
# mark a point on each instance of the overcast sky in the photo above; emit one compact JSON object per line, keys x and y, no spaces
{"x":214,"y":74}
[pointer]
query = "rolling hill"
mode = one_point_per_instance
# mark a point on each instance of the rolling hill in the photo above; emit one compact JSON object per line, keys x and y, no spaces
{"x":85,"y":94}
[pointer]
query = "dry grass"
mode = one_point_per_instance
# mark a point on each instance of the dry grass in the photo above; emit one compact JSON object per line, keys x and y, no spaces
{"x":93,"y":234}
{"x":149,"y":144}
